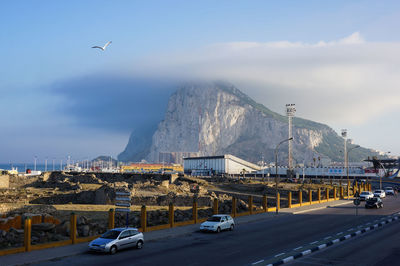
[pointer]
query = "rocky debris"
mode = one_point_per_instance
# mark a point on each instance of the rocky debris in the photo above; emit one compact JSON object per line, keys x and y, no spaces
{"x":12,"y":238}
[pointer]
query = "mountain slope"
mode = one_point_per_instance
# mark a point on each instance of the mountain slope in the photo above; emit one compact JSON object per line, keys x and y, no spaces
{"x":217,"y":118}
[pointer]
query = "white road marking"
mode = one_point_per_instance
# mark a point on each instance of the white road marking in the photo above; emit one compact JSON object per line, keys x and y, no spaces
{"x":335,"y":241}
{"x":339,"y":233}
{"x":280,"y":254}
{"x":257,"y":262}
{"x":313,"y":242}
{"x":298,"y":248}
{"x":327,"y":237}
{"x":351,"y":229}
{"x":322,"y":246}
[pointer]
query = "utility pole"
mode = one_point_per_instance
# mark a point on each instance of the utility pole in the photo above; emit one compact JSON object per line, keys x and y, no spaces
{"x":344,"y":135}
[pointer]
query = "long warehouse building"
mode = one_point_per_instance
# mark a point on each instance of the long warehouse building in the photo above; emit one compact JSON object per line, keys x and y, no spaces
{"x":222,"y":164}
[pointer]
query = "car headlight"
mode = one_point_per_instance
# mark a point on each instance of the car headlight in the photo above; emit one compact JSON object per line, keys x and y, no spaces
{"x":102,"y":246}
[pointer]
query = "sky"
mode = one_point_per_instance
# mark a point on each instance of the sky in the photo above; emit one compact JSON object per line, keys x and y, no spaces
{"x":338,"y":61}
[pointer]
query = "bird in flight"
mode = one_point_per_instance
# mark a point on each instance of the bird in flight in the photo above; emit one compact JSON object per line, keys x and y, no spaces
{"x":104,"y":47}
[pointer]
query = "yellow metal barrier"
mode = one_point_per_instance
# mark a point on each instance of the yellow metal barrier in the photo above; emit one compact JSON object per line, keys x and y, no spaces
{"x":143,"y":218}
{"x":111,"y":219}
{"x":290,"y":199}
{"x":171,"y":215}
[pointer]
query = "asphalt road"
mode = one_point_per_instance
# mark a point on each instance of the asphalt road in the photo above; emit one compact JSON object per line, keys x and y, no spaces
{"x":380,"y":247}
{"x":266,"y":240}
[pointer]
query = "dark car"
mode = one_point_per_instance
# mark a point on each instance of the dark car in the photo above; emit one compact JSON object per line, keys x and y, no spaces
{"x":375,"y":202}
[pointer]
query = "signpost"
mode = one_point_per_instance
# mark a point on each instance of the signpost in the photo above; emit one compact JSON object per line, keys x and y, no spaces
{"x":357,"y":201}
{"x":123,"y":203}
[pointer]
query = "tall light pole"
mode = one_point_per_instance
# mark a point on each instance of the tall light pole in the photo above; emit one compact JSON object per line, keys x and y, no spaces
{"x":347,"y":165}
{"x":276,"y":169}
{"x":290,"y":111}
{"x":344,"y":135}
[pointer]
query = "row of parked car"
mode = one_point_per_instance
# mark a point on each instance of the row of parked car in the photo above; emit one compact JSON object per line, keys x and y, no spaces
{"x":126,"y":237}
{"x":374,"y":199}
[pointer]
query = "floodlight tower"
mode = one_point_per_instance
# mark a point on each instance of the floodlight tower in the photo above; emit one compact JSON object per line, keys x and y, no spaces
{"x":290,"y":111}
{"x":344,"y":135}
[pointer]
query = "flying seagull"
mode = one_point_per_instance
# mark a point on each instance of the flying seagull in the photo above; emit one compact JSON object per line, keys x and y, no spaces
{"x":104,"y":47}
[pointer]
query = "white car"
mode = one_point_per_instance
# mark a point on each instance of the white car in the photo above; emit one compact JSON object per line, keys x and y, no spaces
{"x":117,"y":239}
{"x":217,"y":223}
{"x":389,"y":191}
{"x":366,"y":195}
{"x":379,"y":193}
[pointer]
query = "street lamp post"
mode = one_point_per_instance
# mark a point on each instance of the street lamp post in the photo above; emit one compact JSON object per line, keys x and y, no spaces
{"x":276,"y":169}
{"x":347,"y":165}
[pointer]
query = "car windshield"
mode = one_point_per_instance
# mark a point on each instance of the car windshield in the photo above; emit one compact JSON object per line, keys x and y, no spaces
{"x":373,"y":200}
{"x":364,"y":193}
{"x":389,"y":188}
{"x":214,"y":219}
{"x":112,"y":234}
{"x":377,"y":191}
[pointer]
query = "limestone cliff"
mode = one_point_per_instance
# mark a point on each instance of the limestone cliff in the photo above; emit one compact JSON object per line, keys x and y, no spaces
{"x":216,"y":118}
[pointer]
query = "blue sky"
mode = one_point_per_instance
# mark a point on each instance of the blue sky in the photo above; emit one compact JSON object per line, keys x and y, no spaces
{"x":48,"y":70}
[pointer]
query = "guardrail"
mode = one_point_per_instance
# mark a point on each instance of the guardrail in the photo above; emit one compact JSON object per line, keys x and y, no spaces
{"x":337,"y":194}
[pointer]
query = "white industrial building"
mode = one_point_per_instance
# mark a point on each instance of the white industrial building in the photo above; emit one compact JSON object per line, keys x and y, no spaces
{"x":222,"y":164}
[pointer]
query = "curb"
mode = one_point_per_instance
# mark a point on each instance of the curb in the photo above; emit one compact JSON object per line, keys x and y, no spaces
{"x":332,"y":242}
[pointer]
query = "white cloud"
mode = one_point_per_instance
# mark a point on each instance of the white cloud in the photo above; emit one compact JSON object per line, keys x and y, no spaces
{"x":347,"y":81}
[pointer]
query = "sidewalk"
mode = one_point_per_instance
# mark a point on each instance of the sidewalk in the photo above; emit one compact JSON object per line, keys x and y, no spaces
{"x":71,"y":250}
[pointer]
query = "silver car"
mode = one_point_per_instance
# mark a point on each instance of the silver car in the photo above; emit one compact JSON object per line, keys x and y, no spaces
{"x":117,"y":239}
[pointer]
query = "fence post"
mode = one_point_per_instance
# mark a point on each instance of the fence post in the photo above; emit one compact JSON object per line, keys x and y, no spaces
{"x":359,"y":188}
{"x":194,"y":211}
{"x":290,"y":199}
{"x":265,"y":206}
{"x":309,"y":195}
{"x":341,"y":193}
{"x":143,"y":218}
{"x":278,"y":201}
{"x":215,"y":206}
{"x":27,"y":234}
{"x":171,"y":215}
{"x":327,"y":194}
{"x":73,"y":228}
{"x":251,"y":204}
{"x":300,"y":197}
{"x":233,"y":206}
{"x":319,"y":195}
{"x":111,"y":219}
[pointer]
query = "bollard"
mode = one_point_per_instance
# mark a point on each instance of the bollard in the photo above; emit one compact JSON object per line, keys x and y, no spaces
{"x":194,"y":211}
{"x":348,"y":191}
{"x":265,"y":205}
{"x":215,"y":206}
{"x":111,"y":219}
{"x":233,"y":206}
{"x":359,"y":188}
{"x":300,"y":197}
{"x":327,"y":194}
{"x":143,"y":218}
{"x":319,"y":195}
{"x":72,"y":230}
{"x":27,"y":234}
{"x":171,"y":215}
{"x":341,"y":193}
{"x":334,"y":193}
{"x":251,"y":204}
{"x":309,"y":196}
{"x":278,"y":202}
{"x":290,"y":199}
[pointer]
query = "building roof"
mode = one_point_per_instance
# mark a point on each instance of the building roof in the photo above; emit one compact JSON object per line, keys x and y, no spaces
{"x":226,"y":156}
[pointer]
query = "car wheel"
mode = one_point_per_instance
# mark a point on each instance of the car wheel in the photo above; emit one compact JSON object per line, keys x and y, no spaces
{"x":113,"y":250}
{"x":139,"y":244}
{"x":231,"y":228}
{"x":219,"y":229}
